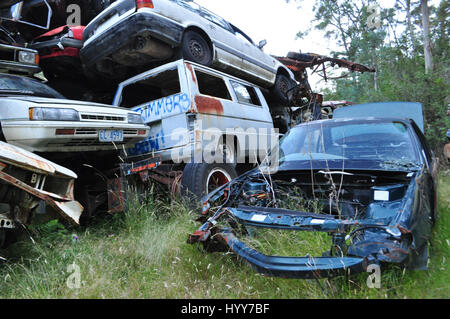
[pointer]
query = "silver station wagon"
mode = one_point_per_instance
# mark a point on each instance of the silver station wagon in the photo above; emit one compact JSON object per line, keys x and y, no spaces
{"x":131,"y":35}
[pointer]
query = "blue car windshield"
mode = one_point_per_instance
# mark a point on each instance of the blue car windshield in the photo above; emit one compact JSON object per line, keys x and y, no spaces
{"x":20,"y":85}
{"x":349,"y":140}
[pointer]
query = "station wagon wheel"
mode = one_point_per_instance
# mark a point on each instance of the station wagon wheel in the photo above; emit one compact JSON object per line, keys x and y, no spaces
{"x":196,"y":49}
{"x":281,"y":89}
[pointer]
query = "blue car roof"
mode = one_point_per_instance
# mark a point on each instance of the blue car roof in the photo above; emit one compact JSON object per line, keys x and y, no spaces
{"x":402,"y":110}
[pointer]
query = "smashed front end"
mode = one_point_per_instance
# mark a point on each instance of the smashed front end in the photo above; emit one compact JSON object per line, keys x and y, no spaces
{"x":31,"y":186}
{"x":371,"y":212}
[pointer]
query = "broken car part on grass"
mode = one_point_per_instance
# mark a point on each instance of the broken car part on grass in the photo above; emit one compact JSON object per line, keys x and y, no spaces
{"x":370,"y":183}
{"x":31,"y":186}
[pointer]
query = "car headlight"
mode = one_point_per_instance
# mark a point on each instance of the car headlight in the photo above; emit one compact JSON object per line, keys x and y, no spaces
{"x":28,"y":57}
{"x":53,"y":114}
{"x":135,"y":118}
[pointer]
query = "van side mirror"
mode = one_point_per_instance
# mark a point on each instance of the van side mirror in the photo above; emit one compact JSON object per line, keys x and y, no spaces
{"x":262,"y":44}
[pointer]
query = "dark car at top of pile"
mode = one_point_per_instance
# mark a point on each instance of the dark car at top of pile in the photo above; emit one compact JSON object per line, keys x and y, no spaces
{"x":369,"y":182}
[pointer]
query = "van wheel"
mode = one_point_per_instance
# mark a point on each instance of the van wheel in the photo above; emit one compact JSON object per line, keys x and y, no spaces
{"x":196,"y":49}
{"x":280,"y":91}
{"x":201,"y":179}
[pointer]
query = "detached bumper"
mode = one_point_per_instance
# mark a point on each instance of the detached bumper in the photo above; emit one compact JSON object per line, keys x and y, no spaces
{"x":217,"y":238}
{"x":294,"y":267}
{"x":112,"y":39}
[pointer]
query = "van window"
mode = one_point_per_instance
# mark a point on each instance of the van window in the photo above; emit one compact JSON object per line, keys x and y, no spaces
{"x":151,"y":88}
{"x":212,"y":85}
{"x":245,"y":94}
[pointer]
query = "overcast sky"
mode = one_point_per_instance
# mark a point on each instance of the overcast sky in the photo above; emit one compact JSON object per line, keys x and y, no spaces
{"x":273,"y":20}
{"x":278,"y":22}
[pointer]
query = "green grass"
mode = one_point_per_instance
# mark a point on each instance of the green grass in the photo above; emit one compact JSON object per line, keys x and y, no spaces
{"x":143,"y":254}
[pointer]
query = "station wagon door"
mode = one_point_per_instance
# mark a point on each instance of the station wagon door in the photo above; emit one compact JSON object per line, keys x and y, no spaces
{"x":254,"y":58}
{"x":160,"y":96}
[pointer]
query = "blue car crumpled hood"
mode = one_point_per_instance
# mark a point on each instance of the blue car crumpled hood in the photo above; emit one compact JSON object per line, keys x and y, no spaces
{"x":386,"y":233}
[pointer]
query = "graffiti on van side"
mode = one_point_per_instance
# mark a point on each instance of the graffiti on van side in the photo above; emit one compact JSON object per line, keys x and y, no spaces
{"x":170,"y":105}
{"x":152,"y":143}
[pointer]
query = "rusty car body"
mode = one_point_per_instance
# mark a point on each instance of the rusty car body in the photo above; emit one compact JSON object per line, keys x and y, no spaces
{"x":190,"y":109}
{"x":31,"y":186}
{"x":369,"y":182}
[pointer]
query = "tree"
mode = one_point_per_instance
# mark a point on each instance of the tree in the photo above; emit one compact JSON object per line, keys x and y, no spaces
{"x":400,"y":53}
{"x":426,"y":36}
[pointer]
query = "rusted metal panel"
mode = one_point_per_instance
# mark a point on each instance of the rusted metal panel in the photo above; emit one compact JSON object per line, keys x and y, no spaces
{"x":208,"y":105}
{"x":69,"y":209}
{"x":19,"y":159}
{"x":191,"y":70}
{"x":116,"y":195}
{"x":316,"y":60}
{"x":29,"y":161}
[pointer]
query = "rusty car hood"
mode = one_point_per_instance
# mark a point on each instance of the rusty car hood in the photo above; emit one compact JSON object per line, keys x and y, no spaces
{"x":17,"y":156}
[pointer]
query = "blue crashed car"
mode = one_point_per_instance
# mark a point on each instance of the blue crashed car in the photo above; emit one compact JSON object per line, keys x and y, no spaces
{"x":372,"y":179}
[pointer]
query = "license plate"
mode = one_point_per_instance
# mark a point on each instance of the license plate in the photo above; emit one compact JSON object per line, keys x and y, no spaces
{"x":110,"y":135}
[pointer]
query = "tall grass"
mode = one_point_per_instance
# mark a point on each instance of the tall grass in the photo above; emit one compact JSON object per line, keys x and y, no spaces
{"x":143,"y":254}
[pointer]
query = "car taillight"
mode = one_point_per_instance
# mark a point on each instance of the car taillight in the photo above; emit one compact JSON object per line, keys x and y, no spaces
{"x":144,"y":4}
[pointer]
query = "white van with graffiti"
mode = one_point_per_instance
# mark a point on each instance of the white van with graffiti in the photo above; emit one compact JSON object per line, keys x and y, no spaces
{"x":202,"y":122}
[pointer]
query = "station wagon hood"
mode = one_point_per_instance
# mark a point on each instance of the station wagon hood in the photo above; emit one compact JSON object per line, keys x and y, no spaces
{"x":52,"y":101}
{"x":42,"y":100}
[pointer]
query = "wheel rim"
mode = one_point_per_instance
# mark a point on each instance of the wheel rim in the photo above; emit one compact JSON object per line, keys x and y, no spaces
{"x":216,"y":178}
{"x":197,"y":50}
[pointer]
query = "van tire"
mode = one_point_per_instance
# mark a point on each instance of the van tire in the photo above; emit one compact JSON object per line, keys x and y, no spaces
{"x":195,"y":48}
{"x":196,"y":177}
